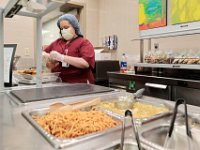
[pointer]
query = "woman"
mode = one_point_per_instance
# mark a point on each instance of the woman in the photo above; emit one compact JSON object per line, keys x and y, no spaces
{"x":72,"y":55}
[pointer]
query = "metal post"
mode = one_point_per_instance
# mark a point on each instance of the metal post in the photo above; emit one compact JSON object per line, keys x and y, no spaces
{"x":149,"y":44}
{"x":38,"y":46}
{"x":141,"y":50}
{"x":1,"y":50}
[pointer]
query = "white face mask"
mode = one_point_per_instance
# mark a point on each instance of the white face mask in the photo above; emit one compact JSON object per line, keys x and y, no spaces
{"x":66,"y":34}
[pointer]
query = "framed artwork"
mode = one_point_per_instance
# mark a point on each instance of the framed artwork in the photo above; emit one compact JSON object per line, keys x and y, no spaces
{"x":152,"y":14}
{"x":184,"y":11}
{"x":9,"y":53}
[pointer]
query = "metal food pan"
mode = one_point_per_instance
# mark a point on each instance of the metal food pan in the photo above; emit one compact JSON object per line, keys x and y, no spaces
{"x":129,"y":144}
{"x":44,"y":75}
{"x":31,"y":79}
{"x":143,"y":120}
{"x":156,"y":136}
{"x":62,"y":143}
{"x":157,"y":116}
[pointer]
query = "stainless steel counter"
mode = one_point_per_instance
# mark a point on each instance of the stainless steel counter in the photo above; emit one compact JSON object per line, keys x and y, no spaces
{"x":16,"y":133}
{"x":23,"y":86}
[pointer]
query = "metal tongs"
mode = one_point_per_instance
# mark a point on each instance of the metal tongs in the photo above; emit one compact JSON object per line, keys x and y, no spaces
{"x":138,"y":94}
{"x":129,"y":113}
{"x":171,"y":128}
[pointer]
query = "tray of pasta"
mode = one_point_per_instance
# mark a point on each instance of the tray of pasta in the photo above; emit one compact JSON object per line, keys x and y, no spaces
{"x":68,"y":127}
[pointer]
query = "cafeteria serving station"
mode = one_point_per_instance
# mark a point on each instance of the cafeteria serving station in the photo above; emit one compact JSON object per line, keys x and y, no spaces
{"x":150,"y":104}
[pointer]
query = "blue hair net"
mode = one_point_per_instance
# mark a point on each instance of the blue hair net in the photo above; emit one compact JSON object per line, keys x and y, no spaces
{"x":73,"y":21}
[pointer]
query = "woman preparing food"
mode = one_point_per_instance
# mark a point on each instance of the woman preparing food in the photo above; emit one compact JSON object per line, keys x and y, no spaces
{"x":72,"y":55}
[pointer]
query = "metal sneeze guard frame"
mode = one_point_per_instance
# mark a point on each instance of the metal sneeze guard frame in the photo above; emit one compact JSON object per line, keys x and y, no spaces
{"x":38,"y":38}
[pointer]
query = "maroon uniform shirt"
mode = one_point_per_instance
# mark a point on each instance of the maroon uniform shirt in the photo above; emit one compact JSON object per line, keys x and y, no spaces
{"x":78,"y":47}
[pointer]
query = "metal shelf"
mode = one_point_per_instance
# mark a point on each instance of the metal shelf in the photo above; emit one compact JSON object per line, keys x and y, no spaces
{"x":169,"y":66}
{"x":168,"y":36}
{"x":50,"y":7}
{"x":1,"y":50}
{"x":171,"y":31}
{"x":14,"y":8}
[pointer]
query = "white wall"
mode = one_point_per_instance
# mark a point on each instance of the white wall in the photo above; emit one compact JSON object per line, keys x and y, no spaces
{"x":120,"y":17}
{"x":50,"y":31}
{"x":178,"y":43}
{"x":91,"y":19}
{"x":20,"y":30}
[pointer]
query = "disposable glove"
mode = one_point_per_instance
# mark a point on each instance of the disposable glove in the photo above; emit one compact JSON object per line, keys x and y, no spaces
{"x":45,"y":57}
{"x":57,"y":56}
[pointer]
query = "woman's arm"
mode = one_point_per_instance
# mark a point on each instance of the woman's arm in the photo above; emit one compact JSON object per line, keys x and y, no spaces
{"x":77,"y":62}
{"x":85,"y":59}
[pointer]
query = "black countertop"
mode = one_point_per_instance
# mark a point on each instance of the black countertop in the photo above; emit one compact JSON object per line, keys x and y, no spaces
{"x":155,"y":79}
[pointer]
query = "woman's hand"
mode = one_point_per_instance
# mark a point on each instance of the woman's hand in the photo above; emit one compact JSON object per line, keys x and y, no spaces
{"x":51,"y":64}
{"x":54,"y":55}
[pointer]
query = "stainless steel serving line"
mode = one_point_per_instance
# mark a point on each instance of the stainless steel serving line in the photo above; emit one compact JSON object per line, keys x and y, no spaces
{"x":45,"y":93}
{"x":24,"y":95}
{"x":18,"y":132}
